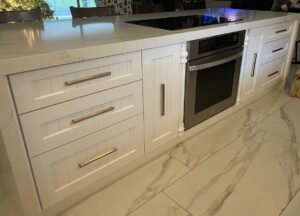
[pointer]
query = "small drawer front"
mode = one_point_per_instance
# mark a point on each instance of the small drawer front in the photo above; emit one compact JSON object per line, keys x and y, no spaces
{"x":271,"y":73}
{"x":54,"y":126}
{"x":41,"y":88}
{"x":278,"y":31}
{"x":59,"y":173}
{"x":274,"y":50}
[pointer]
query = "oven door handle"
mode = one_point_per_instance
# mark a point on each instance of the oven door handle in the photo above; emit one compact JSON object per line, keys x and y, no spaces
{"x":215,"y":63}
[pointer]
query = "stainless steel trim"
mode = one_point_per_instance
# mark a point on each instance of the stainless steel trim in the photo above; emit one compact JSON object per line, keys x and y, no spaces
{"x":92,"y":115}
{"x":254,"y":65}
{"x":215,"y":63}
{"x":276,"y":50}
{"x":273,"y":73}
{"x":283,"y":30}
{"x":83,"y":164}
{"x":162,"y":108}
{"x":72,"y":82}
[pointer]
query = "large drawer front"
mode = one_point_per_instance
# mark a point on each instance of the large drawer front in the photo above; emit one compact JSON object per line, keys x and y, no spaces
{"x":52,"y":127}
{"x":274,"y":50}
{"x":58,"y":174}
{"x":278,"y":31}
{"x":41,"y":88}
{"x":271,"y":73}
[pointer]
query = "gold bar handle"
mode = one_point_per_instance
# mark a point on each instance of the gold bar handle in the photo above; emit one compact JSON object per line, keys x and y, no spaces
{"x":163,"y":92}
{"x":276,"y":72}
{"x":254,"y":65}
{"x":92,"y":115}
{"x":280,"y":31}
{"x":276,"y":50}
{"x":72,"y":82}
{"x":83,"y":164}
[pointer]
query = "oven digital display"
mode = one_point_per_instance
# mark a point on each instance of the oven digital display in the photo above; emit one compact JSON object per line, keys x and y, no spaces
{"x":216,"y":43}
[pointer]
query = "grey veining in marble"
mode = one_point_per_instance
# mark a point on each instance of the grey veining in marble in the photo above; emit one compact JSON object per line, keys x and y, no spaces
{"x":254,"y":169}
{"x":197,"y":149}
{"x":285,"y":122}
{"x":132,"y":191}
{"x":160,"y":205}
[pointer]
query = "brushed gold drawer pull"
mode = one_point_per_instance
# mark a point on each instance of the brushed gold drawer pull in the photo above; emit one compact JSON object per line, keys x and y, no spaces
{"x":280,"y":31}
{"x":254,"y":65}
{"x":92,"y":115}
{"x":97,"y":157}
{"x":163,"y":95}
{"x":72,"y":82}
{"x":276,"y":50}
{"x":273,"y":73}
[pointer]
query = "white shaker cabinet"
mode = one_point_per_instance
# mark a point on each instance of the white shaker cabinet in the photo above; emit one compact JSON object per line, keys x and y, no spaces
{"x":251,"y":65}
{"x":161,"y":85}
{"x":265,"y":58}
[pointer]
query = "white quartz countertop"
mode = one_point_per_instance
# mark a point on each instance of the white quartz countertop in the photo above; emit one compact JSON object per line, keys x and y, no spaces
{"x":35,"y":45}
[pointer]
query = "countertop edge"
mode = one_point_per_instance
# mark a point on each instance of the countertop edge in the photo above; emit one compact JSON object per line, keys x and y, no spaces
{"x":40,"y":61}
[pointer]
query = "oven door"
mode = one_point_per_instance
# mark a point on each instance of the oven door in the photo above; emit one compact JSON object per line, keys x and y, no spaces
{"x":211,"y":85}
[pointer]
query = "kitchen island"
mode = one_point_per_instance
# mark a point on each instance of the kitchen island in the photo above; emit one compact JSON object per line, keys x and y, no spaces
{"x":81,"y":99}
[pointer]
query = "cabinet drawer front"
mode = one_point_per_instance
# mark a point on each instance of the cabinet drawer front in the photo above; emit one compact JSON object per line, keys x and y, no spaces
{"x":274,"y":50}
{"x":271,"y":73}
{"x":58,"y":173}
{"x":278,"y":31}
{"x":51,"y":127}
{"x":41,"y":88}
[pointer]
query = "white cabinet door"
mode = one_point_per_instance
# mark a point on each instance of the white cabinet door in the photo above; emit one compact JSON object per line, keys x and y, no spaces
{"x":251,"y":65}
{"x":161,"y":75}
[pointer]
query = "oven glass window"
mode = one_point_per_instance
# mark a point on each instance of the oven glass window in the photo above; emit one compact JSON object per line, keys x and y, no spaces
{"x":214,"y":85}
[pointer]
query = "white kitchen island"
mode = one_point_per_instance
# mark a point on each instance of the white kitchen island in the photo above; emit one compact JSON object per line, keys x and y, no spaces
{"x":75,"y":90}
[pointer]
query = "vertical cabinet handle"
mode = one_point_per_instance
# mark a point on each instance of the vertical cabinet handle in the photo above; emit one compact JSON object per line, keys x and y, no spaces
{"x":162,"y":97}
{"x":254,"y":64}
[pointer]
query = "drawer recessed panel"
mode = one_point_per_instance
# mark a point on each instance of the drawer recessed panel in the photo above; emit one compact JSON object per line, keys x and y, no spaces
{"x":54,"y":126}
{"x":67,"y":169}
{"x":41,"y":88}
{"x":274,"y":50}
{"x":271,"y":73}
{"x":278,"y":31}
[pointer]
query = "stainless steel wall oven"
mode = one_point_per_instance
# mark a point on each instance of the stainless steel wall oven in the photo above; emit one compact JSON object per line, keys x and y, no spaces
{"x":212,"y":76}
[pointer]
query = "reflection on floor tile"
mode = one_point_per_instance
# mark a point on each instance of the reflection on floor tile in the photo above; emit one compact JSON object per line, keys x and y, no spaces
{"x":160,"y":205}
{"x":271,"y":102}
{"x":197,"y":149}
{"x":285,"y":122}
{"x":257,"y":174}
{"x":133,"y":190}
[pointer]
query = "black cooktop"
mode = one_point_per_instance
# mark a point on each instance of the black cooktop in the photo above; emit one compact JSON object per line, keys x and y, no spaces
{"x":183,"y":22}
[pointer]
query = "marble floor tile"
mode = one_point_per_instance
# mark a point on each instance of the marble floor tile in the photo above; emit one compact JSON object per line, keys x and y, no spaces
{"x":271,"y":102}
{"x":293,"y":209}
{"x":284,"y":122}
{"x":200,"y":147}
{"x":160,"y":205}
{"x":256,"y":175}
{"x":132,"y":191}
{"x":8,"y":207}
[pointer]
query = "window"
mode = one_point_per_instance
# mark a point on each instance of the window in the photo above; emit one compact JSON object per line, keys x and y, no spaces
{"x":61,"y":8}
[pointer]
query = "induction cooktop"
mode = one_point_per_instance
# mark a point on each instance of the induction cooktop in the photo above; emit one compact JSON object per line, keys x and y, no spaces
{"x":183,"y":22}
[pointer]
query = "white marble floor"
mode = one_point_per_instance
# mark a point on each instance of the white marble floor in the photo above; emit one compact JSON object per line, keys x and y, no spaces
{"x":245,"y":165}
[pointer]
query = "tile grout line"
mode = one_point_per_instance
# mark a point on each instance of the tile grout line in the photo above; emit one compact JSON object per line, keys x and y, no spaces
{"x":177,"y":203}
{"x":274,"y":134}
{"x":143,"y":204}
{"x":288,"y":203}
